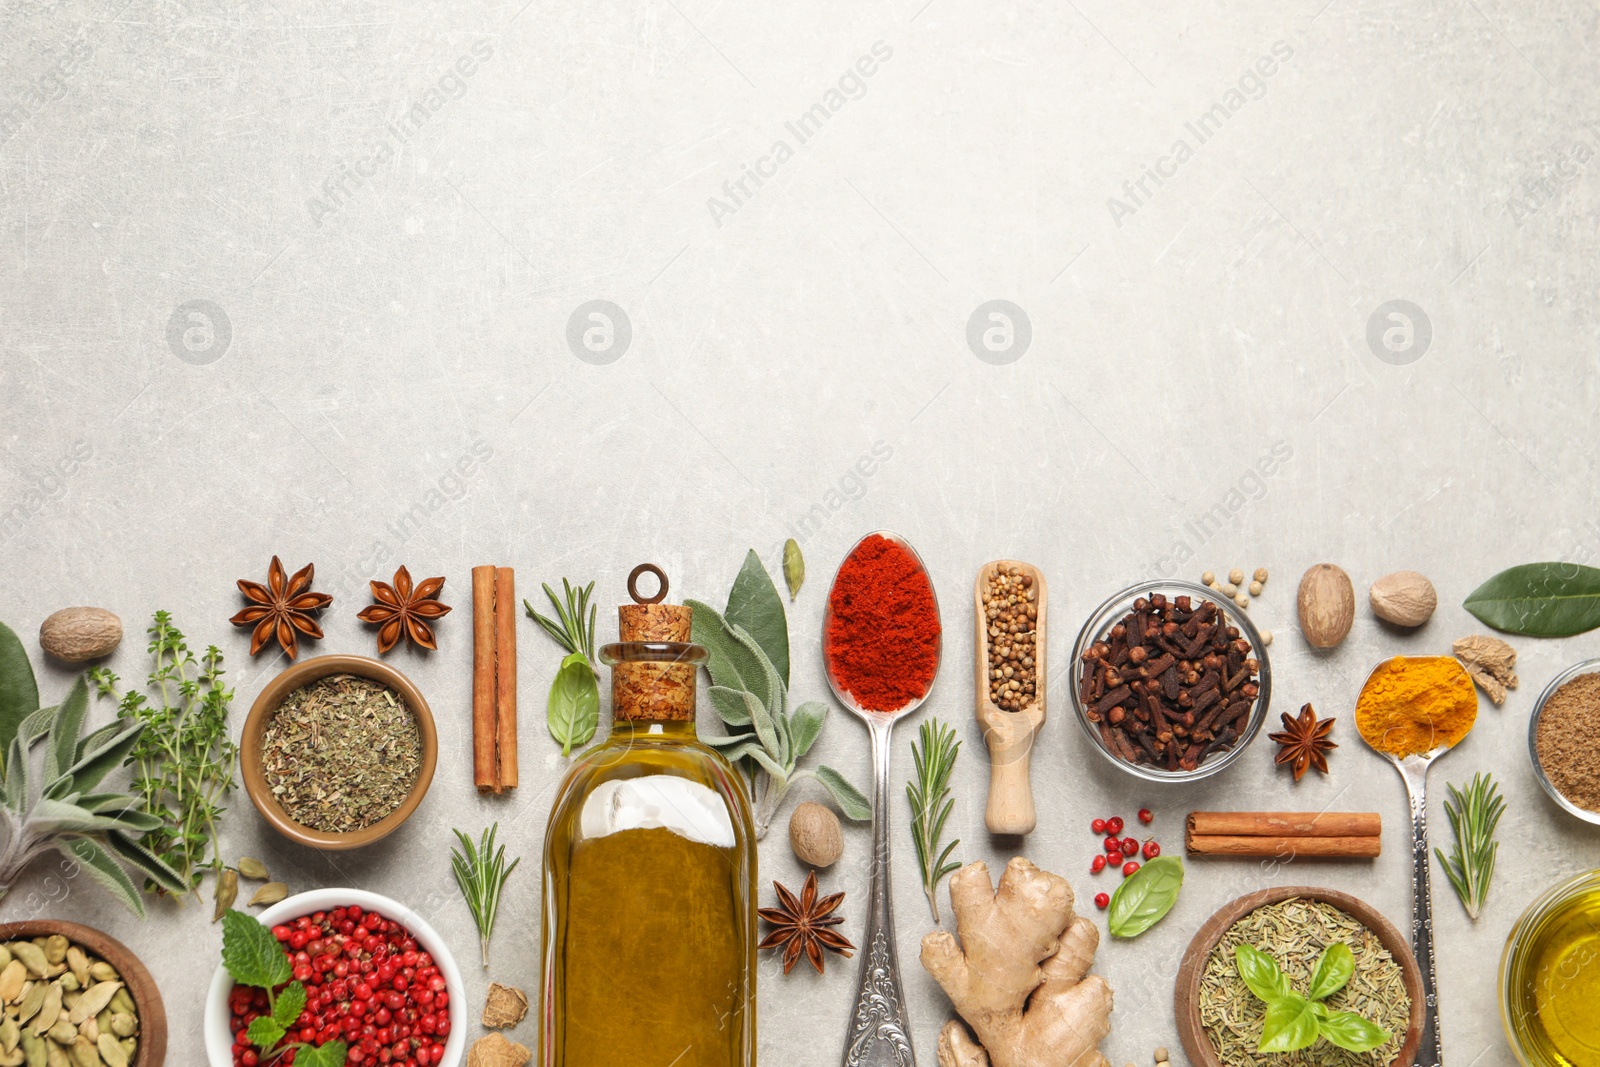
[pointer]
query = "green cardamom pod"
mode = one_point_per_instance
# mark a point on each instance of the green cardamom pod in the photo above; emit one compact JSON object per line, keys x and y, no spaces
{"x":78,"y":963}
{"x":254,"y":870}
{"x":131,"y":1047}
{"x":50,"y":1009}
{"x":32,"y":1001}
{"x":121,"y":1024}
{"x":94,"y":1000}
{"x":5,"y":956}
{"x":227,"y":893}
{"x":32,"y":957}
{"x":33,"y":1050}
{"x":10,"y":1034}
{"x":13,"y":1058}
{"x":55,"y":948}
{"x":794,"y":566}
{"x":270,"y":893}
{"x":63,"y":1033}
{"x":101,"y":971}
{"x":12,"y":979}
{"x":123,"y":1002}
{"x":69,"y":982}
{"x":83,"y":1054}
{"x":111,"y":1052}
{"x":90,"y":1030}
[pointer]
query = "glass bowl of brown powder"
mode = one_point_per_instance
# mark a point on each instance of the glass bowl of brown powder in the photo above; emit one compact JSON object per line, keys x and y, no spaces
{"x":1564,"y":738}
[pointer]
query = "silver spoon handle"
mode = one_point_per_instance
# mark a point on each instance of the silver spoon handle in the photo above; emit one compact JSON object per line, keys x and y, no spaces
{"x":878,"y":1036}
{"x":1429,"y":1051}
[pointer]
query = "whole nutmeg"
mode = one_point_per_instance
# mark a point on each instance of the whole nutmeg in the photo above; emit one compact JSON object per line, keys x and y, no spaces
{"x":815,"y":836}
{"x":1404,"y":598}
{"x":1327,"y":603}
{"x":77,"y":635}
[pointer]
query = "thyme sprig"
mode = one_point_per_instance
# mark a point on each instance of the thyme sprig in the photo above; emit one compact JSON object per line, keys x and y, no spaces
{"x":1473,"y":816}
{"x":183,"y":761}
{"x":481,"y":872}
{"x":931,"y":804}
{"x":569,"y":628}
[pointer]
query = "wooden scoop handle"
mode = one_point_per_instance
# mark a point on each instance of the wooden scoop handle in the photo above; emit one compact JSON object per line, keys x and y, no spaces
{"x":1009,"y":734}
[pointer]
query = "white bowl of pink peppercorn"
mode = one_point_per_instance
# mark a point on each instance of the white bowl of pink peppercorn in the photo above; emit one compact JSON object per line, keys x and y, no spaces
{"x":344,"y":915}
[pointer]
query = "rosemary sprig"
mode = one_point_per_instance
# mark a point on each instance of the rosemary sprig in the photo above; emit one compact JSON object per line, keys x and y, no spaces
{"x":931,"y":804}
{"x":481,"y":872}
{"x":568,"y":627}
{"x":1473,"y":816}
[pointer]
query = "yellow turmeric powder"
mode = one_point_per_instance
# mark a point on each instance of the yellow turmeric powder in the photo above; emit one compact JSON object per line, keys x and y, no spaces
{"x":1415,"y":704}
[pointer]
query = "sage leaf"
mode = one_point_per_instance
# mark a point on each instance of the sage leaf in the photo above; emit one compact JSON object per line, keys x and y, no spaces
{"x":1539,"y":599}
{"x":856,"y":807}
{"x":1350,"y":1031}
{"x":754,"y":605}
{"x":19,"y":693}
{"x":729,"y":662}
{"x":574,"y":706}
{"x":805,"y":726}
{"x":729,"y":705}
{"x":1142,"y":899}
{"x":1334,"y":969}
{"x":1290,"y":1025}
{"x":794,"y":567}
{"x":1260,"y":973}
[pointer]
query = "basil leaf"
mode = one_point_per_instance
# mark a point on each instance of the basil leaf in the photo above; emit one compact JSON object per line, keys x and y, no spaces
{"x":1260,"y":972}
{"x":754,"y":604}
{"x":574,"y":707}
{"x":19,"y":693}
{"x":1290,"y":1025}
{"x":1141,"y":900}
{"x":1350,"y":1031}
{"x":251,"y":954}
{"x":1540,"y":600}
{"x":1334,"y":969}
{"x":794,"y":567}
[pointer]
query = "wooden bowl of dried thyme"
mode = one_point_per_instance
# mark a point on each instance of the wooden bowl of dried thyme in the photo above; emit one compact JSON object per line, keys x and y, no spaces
{"x":1220,"y":1021}
{"x":338,"y":751}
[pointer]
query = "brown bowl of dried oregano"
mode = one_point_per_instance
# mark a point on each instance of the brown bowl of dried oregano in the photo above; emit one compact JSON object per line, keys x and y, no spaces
{"x":338,"y":751}
{"x":1221,"y":1018}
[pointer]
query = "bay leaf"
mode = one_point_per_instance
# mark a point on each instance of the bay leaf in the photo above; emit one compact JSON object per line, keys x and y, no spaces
{"x":794,"y":566}
{"x":1539,"y":599}
{"x":754,"y":604}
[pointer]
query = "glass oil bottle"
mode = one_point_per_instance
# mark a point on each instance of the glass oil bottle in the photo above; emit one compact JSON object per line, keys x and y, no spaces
{"x":649,"y":875}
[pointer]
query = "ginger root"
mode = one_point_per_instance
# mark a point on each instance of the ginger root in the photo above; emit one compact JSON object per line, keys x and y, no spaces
{"x":1019,"y":976}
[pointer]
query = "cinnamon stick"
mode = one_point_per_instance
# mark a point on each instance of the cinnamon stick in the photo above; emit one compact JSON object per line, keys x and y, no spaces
{"x":484,"y":681}
{"x":1285,"y":823}
{"x":1284,"y":848}
{"x":505,"y":663}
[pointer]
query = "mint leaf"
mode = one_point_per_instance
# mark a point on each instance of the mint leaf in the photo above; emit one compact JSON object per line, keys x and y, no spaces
{"x":290,"y":1003}
{"x":330,"y":1055}
{"x":251,"y":954}
{"x":265,"y":1032}
{"x":1334,"y":969}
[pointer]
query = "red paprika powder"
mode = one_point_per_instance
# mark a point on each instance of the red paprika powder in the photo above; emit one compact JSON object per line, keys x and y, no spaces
{"x":881,"y":644}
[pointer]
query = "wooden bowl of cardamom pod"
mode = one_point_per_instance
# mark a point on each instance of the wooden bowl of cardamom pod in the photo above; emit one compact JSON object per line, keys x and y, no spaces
{"x":107,"y":999}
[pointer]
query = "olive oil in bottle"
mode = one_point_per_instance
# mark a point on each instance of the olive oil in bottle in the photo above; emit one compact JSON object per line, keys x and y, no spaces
{"x":649,"y":877}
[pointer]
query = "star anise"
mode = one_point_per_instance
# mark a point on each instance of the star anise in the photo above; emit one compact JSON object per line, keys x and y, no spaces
{"x":1304,"y":742}
{"x":281,"y":608}
{"x":805,"y":925}
{"x":400,"y":609}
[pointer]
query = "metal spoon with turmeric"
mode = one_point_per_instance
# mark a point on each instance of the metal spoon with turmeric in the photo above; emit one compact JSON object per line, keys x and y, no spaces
{"x":1412,"y":710}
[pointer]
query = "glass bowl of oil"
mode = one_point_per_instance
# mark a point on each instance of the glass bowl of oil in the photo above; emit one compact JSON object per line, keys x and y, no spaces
{"x":1550,"y":978}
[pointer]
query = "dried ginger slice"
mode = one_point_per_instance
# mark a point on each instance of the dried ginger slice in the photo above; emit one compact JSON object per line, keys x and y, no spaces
{"x":496,"y":1051}
{"x":1490,"y":662}
{"x":505,"y":1007}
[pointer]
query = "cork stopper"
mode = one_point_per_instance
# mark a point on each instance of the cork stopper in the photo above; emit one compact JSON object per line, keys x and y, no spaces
{"x":653,"y":668}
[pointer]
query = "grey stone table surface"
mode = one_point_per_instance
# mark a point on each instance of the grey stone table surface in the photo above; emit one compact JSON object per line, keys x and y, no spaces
{"x":1279,"y":283}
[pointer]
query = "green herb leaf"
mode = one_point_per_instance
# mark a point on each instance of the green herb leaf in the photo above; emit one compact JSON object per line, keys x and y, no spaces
{"x":104,"y":870}
{"x":1473,"y":818}
{"x":481,"y":872}
{"x":805,"y":726}
{"x":1290,"y":1025}
{"x":794,"y":567}
{"x":934,"y":756}
{"x":62,"y":744}
{"x":1334,"y":968}
{"x":1260,"y":973}
{"x":1540,"y":599}
{"x":330,"y":1055}
{"x":729,"y":705}
{"x":572,"y":628}
{"x":1350,"y":1031}
{"x":265,"y":1031}
{"x":754,"y":604}
{"x":574,"y":706}
{"x":729,"y":662}
{"x":1142,"y":899}
{"x":19,"y":693}
{"x":856,"y":807}
{"x":290,"y":1003}
{"x":251,"y":954}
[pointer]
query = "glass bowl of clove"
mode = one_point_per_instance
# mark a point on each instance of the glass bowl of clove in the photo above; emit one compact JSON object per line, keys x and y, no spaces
{"x":1171,"y":682}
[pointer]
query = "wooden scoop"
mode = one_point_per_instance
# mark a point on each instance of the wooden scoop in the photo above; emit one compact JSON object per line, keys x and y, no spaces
{"x":1009,"y":734}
